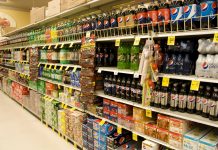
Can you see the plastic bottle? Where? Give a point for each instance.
(215, 64)
(109, 85)
(139, 93)
(94, 22)
(118, 87)
(183, 98)
(133, 90)
(208, 10)
(106, 85)
(100, 24)
(174, 98)
(177, 15)
(157, 94)
(187, 65)
(121, 18)
(130, 17)
(208, 66)
(199, 68)
(128, 89)
(142, 16)
(106, 56)
(191, 103)
(213, 105)
(123, 88)
(164, 17)
(113, 19)
(134, 58)
(180, 64)
(165, 95)
(107, 23)
(199, 100)
(113, 86)
(165, 63)
(205, 102)
(171, 64)
(152, 17)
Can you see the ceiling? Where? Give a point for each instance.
(23, 4)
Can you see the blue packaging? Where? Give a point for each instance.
(102, 146)
(95, 135)
(96, 125)
(177, 13)
(102, 138)
(90, 122)
(107, 129)
(192, 11)
(208, 7)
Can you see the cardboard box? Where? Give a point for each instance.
(209, 141)
(176, 140)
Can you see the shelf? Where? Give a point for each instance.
(186, 116)
(189, 78)
(20, 61)
(139, 134)
(116, 71)
(16, 71)
(61, 84)
(129, 37)
(58, 64)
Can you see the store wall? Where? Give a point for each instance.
(21, 17)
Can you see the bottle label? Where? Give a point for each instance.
(191, 11)
(176, 14)
(70, 56)
(191, 102)
(100, 24)
(153, 17)
(164, 16)
(199, 103)
(63, 56)
(43, 55)
(55, 55)
(121, 21)
(113, 22)
(117, 89)
(182, 101)
(174, 100)
(106, 23)
(106, 55)
(208, 8)
(205, 105)
(142, 17)
(213, 108)
(129, 20)
(101, 55)
(164, 99)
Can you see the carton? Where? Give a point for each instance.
(163, 121)
(180, 126)
(209, 141)
(192, 138)
(148, 145)
(176, 140)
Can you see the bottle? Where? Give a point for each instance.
(134, 65)
(183, 98)
(138, 92)
(215, 64)
(205, 102)
(179, 64)
(192, 11)
(97, 58)
(208, 66)
(118, 87)
(165, 66)
(109, 85)
(106, 57)
(171, 64)
(130, 20)
(157, 99)
(177, 15)
(164, 97)
(123, 88)
(199, 72)
(208, 11)
(142, 16)
(154, 95)
(113, 86)
(106, 20)
(121, 57)
(191, 103)
(128, 89)
(187, 65)
(152, 17)
(94, 22)
(164, 17)
(111, 57)
(113, 19)
(174, 98)
(213, 105)
(121, 18)
(199, 100)
(133, 90)
(106, 85)
(100, 24)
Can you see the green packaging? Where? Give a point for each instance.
(134, 65)
(41, 86)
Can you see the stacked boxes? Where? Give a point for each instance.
(41, 86)
(67, 4)
(54, 8)
(209, 141)
(34, 61)
(62, 122)
(19, 92)
(37, 14)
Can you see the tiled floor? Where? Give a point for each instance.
(19, 130)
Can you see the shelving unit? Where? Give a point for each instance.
(58, 64)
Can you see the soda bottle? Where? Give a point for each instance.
(128, 89)
(180, 64)
(121, 57)
(205, 102)
(130, 20)
(215, 64)
(112, 60)
(192, 11)
(94, 22)
(187, 65)
(123, 88)
(113, 19)
(174, 97)
(139, 93)
(183, 98)
(199, 100)
(100, 24)
(208, 66)
(164, 98)
(152, 17)
(97, 56)
(157, 94)
(154, 94)
(164, 17)
(133, 90)
(134, 58)
(106, 85)
(191, 103)
(118, 87)
(165, 66)
(106, 56)
(177, 15)
(213, 106)
(113, 86)
(121, 18)
(141, 16)
(208, 12)
(109, 85)
(106, 20)
(199, 69)
(171, 64)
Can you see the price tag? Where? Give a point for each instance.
(119, 130)
(44, 47)
(20, 49)
(148, 113)
(74, 69)
(165, 81)
(61, 68)
(75, 145)
(115, 73)
(134, 137)
(71, 44)
(53, 129)
(88, 34)
(137, 41)
(73, 109)
(65, 106)
(59, 87)
(117, 42)
(195, 85)
(62, 45)
(215, 39)
(56, 46)
(62, 105)
(136, 75)
(70, 90)
(50, 67)
(46, 66)
(102, 122)
(171, 40)
(67, 68)
(99, 70)
(49, 47)
(55, 67)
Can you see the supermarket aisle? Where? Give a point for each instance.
(22, 131)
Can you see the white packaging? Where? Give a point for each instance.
(208, 66)
(209, 141)
(199, 65)
(215, 70)
(148, 145)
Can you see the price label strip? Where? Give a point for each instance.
(171, 40)
(71, 44)
(134, 137)
(117, 42)
(102, 122)
(148, 113)
(215, 39)
(137, 41)
(165, 82)
(119, 130)
(195, 85)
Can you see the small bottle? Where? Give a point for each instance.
(157, 99)
(183, 97)
(133, 90)
(199, 100)
(139, 93)
(191, 103)
(118, 87)
(213, 104)
(174, 98)
(123, 88)
(128, 89)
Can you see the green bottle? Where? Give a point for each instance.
(134, 58)
(121, 58)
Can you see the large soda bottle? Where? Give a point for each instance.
(213, 105)
(130, 17)
(208, 66)
(134, 58)
(139, 93)
(187, 65)
(164, 17)
(106, 56)
(94, 22)
(106, 85)
(128, 89)
(174, 98)
(199, 71)
(107, 23)
(165, 96)
(100, 24)
(183, 98)
(191, 103)
(133, 90)
(154, 94)
(208, 12)
(205, 102)
(118, 87)
(121, 57)
(157, 94)
(165, 66)
(123, 88)
(121, 18)
(110, 85)
(113, 19)
(215, 70)
(192, 11)
(152, 17)
(199, 100)
(171, 64)
(142, 16)
(177, 15)
(180, 64)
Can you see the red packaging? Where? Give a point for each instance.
(151, 129)
(163, 135)
(164, 13)
(153, 15)
(163, 121)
